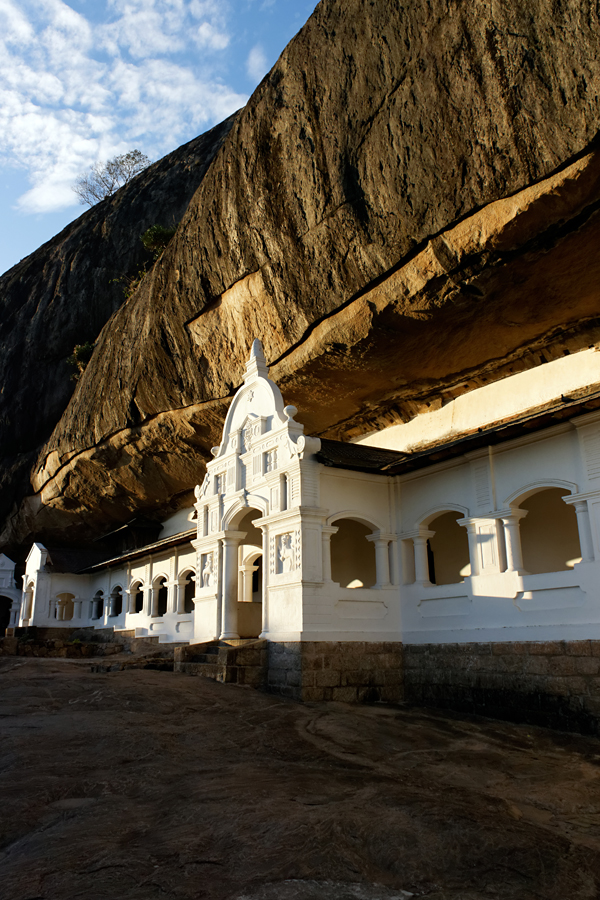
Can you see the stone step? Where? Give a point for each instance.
(241, 661)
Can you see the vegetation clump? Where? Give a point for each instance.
(80, 357)
(155, 240)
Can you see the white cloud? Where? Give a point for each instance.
(75, 93)
(256, 64)
(209, 36)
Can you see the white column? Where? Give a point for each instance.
(393, 558)
(265, 578)
(172, 591)
(382, 558)
(148, 592)
(231, 543)
(421, 560)
(326, 533)
(14, 614)
(77, 606)
(585, 529)
(247, 571)
(514, 555)
(180, 595)
(471, 527)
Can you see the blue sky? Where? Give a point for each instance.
(84, 80)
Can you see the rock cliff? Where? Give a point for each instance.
(407, 206)
(65, 292)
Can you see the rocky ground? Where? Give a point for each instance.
(145, 784)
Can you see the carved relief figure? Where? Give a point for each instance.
(286, 553)
(207, 571)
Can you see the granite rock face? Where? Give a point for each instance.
(65, 292)
(398, 213)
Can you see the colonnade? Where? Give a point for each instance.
(505, 525)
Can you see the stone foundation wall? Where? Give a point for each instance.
(64, 647)
(336, 670)
(552, 683)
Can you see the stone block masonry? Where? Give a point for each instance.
(356, 671)
(551, 683)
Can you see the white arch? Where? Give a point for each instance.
(523, 493)
(436, 511)
(251, 501)
(358, 516)
(156, 578)
(252, 555)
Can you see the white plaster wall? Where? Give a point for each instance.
(524, 464)
(177, 523)
(342, 491)
(430, 492)
(172, 626)
(496, 605)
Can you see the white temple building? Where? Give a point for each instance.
(409, 535)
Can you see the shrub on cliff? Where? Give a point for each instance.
(103, 180)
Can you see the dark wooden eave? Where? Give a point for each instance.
(377, 461)
(157, 547)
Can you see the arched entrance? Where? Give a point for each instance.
(353, 562)
(5, 607)
(448, 549)
(549, 532)
(243, 588)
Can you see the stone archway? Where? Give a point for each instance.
(5, 608)
(242, 547)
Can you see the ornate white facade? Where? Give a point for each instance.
(289, 542)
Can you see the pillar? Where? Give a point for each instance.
(231, 543)
(585, 530)
(421, 561)
(179, 595)
(514, 555)
(471, 527)
(382, 558)
(393, 558)
(326, 533)
(173, 591)
(154, 599)
(265, 578)
(77, 607)
(246, 572)
(147, 607)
